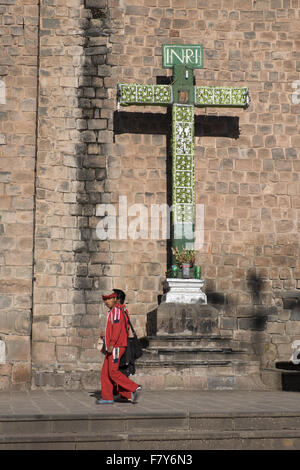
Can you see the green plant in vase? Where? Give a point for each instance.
(184, 256)
(185, 259)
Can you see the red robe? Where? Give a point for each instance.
(116, 329)
(116, 336)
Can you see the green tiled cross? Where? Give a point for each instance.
(182, 95)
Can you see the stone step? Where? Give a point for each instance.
(173, 362)
(201, 361)
(189, 354)
(172, 441)
(199, 375)
(195, 340)
(179, 430)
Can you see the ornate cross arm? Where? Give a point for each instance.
(205, 96)
(236, 97)
(129, 94)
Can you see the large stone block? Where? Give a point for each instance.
(18, 348)
(5, 302)
(40, 331)
(137, 10)
(21, 373)
(186, 319)
(91, 356)
(95, 3)
(67, 353)
(15, 322)
(43, 352)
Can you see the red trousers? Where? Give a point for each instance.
(112, 377)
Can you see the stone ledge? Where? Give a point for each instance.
(172, 440)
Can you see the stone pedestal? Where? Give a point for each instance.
(185, 291)
(187, 347)
(186, 319)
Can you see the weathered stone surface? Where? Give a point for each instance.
(18, 348)
(85, 155)
(43, 353)
(21, 373)
(184, 319)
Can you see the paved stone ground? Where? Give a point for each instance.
(53, 403)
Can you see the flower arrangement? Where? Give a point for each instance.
(184, 256)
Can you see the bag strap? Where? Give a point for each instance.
(132, 329)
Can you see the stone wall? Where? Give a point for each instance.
(66, 308)
(249, 185)
(18, 92)
(55, 179)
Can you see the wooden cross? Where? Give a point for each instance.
(182, 95)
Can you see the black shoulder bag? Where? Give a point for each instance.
(132, 352)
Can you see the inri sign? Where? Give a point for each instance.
(190, 55)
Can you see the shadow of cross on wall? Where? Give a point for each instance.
(125, 122)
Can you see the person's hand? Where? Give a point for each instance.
(110, 349)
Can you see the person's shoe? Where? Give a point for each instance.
(135, 395)
(120, 399)
(104, 402)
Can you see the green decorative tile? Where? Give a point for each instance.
(127, 93)
(222, 96)
(184, 195)
(163, 94)
(184, 138)
(183, 163)
(183, 178)
(184, 113)
(144, 94)
(184, 213)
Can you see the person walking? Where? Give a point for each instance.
(121, 395)
(115, 337)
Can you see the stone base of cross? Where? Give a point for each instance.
(183, 96)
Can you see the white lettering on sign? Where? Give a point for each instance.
(174, 54)
(182, 55)
(188, 54)
(185, 56)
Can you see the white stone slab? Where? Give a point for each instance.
(2, 352)
(185, 291)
